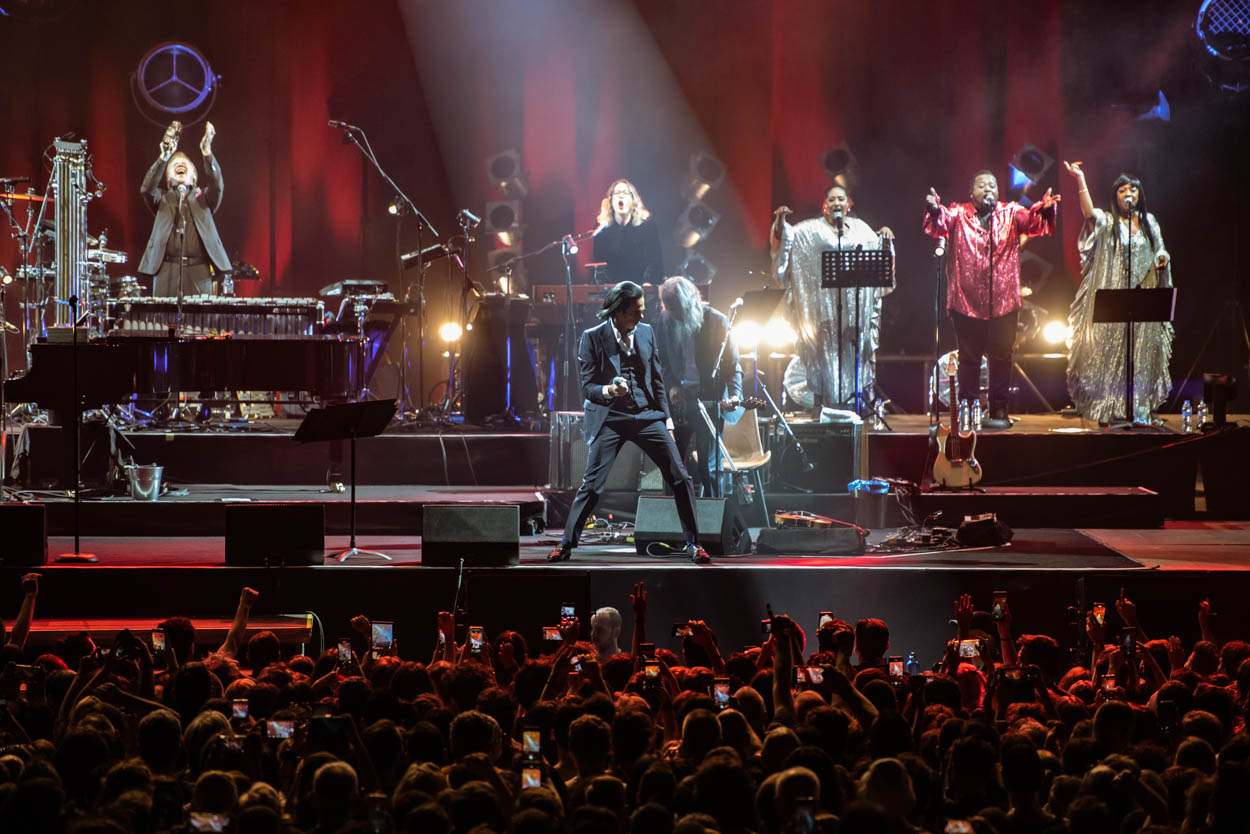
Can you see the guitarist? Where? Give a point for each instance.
(689, 338)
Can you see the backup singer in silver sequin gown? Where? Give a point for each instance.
(813, 310)
(1096, 352)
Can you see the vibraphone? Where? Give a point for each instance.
(211, 315)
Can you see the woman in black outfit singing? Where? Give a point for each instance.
(627, 240)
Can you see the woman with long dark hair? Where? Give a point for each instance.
(1120, 248)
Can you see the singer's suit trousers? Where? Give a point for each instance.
(655, 441)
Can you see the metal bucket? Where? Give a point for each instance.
(145, 482)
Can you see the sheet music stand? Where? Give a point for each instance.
(347, 422)
(850, 269)
(1133, 306)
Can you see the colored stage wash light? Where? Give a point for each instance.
(1027, 168)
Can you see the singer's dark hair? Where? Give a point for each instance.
(614, 299)
(982, 172)
(1139, 209)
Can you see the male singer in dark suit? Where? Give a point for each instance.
(184, 244)
(625, 400)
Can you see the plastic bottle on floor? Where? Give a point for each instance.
(1187, 417)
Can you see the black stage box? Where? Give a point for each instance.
(833, 541)
(722, 531)
(275, 535)
(485, 535)
(24, 536)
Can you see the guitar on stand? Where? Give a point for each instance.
(956, 466)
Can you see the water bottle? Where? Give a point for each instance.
(976, 414)
(912, 666)
(1203, 415)
(965, 418)
(878, 414)
(1187, 417)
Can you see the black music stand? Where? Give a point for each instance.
(348, 421)
(850, 269)
(1130, 307)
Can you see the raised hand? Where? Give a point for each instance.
(1074, 168)
(361, 625)
(1049, 199)
(638, 599)
(782, 211)
(446, 624)
(1097, 631)
(963, 615)
(932, 200)
(248, 597)
(1126, 609)
(169, 142)
(30, 584)
(206, 144)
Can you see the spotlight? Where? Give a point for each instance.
(695, 224)
(697, 268)
(779, 334)
(396, 207)
(706, 172)
(502, 221)
(841, 166)
(747, 334)
(506, 173)
(450, 332)
(6, 277)
(1027, 168)
(1056, 332)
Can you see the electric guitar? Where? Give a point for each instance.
(956, 466)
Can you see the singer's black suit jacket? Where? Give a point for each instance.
(599, 362)
(164, 202)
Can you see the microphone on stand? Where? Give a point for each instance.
(941, 247)
(737, 303)
(343, 125)
(837, 219)
(570, 245)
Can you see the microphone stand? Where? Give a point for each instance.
(939, 260)
(77, 557)
(362, 144)
(841, 399)
(719, 386)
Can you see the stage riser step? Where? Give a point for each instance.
(208, 518)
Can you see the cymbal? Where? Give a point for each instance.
(34, 198)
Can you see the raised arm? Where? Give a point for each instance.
(21, 625)
(234, 637)
(938, 218)
(214, 186)
(638, 600)
(1082, 189)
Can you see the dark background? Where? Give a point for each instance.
(923, 94)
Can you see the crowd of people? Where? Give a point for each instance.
(826, 732)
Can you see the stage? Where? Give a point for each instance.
(1156, 512)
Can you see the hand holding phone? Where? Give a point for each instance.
(720, 692)
(475, 640)
(998, 612)
(382, 638)
(683, 630)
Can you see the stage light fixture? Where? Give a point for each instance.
(1026, 169)
(1056, 332)
(396, 207)
(697, 268)
(747, 334)
(706, 172)
(840, 165)
(6, 277)
(779, 334)
(506, 173)
(450, 332)
(695, 224)
(503, 221)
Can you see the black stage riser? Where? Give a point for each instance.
(461, 458)
(916, 603)
(208, 518)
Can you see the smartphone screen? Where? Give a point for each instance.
(1000, 602)
(1108, 684)
(815, 674)
(895, 665)
(551, 633)
(800, 676)
(158, 641)
(279, 727)
(531, 777)
(568, 613)
(577, 664)
(720, 692)
(231, 742)
(766, 626)
(826, 617)
(475, 639)
(1128, 642)
(203, 821)
(651, 669)
(1100, 613)
(238, 708)
(969, 648)
(531, 743)
(682, 630)
(383, 636)
(647, 650)
(345, 652)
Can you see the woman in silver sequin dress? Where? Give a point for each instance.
(1126, 234)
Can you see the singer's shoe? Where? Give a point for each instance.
(997, 420)
(697, 554)
(560, 553)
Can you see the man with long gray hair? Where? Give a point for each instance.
(690, 337)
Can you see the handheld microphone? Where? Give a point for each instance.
(343, 125)
(618, 380)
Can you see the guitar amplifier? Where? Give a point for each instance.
(837, 450)
(567, 463)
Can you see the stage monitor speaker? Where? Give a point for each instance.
(722, 531)
(837, 452)
(568, 450)
(275, 535)
(24, 540)
(833, 541)
(485, 535)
